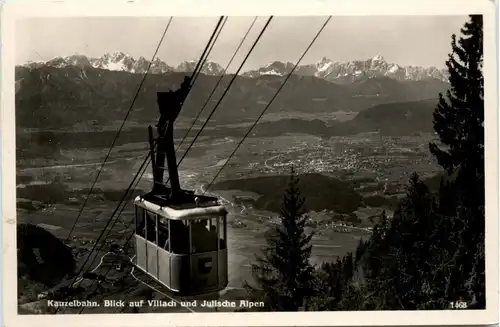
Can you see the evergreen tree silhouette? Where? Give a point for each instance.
(410, 241)
(432, 252)
(459, 122)
(283, 274)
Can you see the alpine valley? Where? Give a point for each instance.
(355, 130)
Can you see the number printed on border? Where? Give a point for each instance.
(458, 305)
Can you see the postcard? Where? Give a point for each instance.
(223, 163)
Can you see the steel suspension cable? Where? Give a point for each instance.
(217, 84)
(126, 227)
(119, 130)
(103, 231)
(262, 113)
(206, 52)
(227, 89)
(214, 37)
(270, 102)
(236, 74)
(210, 49)
(227, 66)
(138, 172)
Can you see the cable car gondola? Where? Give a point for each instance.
(180, 237)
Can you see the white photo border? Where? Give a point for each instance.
(15, 10)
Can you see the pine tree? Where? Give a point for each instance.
(459, 122)
(410, 235)
(376, 249)
(431, 251)
(397, 262)
(330, 281)
(360, 251)
(283, 275)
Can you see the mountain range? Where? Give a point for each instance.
(48, 97)
(64, 93)
(333, 71)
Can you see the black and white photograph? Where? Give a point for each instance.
(177, 164)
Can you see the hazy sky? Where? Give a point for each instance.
(405, 40)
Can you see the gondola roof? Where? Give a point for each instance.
(192, 207)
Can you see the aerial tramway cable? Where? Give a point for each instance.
(196, 76)
(269, 104)
(142, 166)
(236, 74)
(144, 162)
(262, 113)
(119, 130)
(210, 49)
(123, 247)
(255, 43)
(217, 84)
(207, 50)
(265, 109)
(227, 88)
(144, 170)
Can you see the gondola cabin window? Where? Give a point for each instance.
(204, 235)
(163, 234)
(179, 236)
(208, 235)
(151, 229)
(221, 222)
(185, 251)
(140, 221)
(179, 233)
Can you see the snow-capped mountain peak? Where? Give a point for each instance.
(121, 61)
(277, 68)
(325, 68)
(212, 68)
(209, 67)
(324, 64)
(354, 70)
(116, 56)
(118, 60)
(378, 57)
